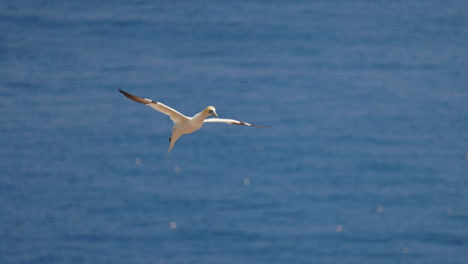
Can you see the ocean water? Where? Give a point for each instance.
(366, 159)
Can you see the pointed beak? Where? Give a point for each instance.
(214, 114)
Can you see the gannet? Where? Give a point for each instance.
(184, 124)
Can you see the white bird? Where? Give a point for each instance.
(184, 124)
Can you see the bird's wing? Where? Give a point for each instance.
(229, 121)
(175, 116)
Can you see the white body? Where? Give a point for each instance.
(183, 124)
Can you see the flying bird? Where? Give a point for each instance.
(184, 124)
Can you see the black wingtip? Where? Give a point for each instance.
(122, 91)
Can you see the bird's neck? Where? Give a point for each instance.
(201, 116)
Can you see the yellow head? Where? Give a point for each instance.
(210, 111)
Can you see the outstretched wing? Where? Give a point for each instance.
(229, 121)
(175, 116)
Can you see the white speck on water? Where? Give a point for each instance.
(173, 225)
(138, 161)
(380, 209)
(339, 228)
(246, 181)
(177, 169)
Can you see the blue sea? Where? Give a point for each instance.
(365, 159)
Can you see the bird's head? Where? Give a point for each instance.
(211, 111)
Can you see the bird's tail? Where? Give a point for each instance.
(172, 141)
